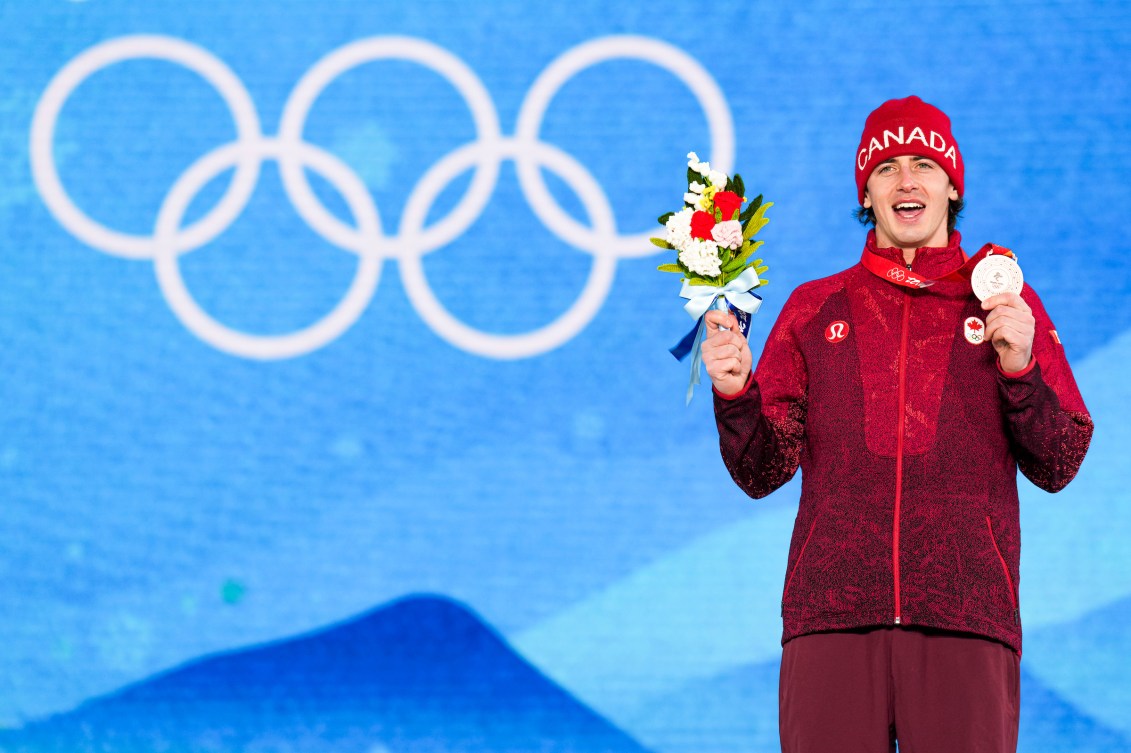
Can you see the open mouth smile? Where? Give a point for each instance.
(909, 210)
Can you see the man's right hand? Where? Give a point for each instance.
(726, 353)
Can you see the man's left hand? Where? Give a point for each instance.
(1010, 326)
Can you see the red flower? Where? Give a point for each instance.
(728, 203)
(701, 224)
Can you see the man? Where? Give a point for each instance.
(909, 410)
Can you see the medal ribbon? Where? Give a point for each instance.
(898, 274)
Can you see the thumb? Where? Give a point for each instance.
(716, 319)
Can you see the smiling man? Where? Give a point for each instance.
(909, 405)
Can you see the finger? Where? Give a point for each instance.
(1008, 331)
(723, 367)
(1010, 316)
(1010, 300)
(722, 345)
(721, 319)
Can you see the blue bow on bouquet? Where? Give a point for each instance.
(735, 294)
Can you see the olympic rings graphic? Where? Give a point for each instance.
(367, 238)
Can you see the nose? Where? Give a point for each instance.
(907, 177)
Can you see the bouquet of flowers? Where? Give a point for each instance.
(713, 236)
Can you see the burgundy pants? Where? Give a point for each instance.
(933, 691)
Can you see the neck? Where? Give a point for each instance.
(909, 255)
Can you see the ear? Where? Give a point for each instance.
(953, 195)
(868, 200)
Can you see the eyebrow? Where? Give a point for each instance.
(912, 156)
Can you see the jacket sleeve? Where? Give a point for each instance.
(1049, 426)
(761, 430)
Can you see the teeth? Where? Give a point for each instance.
(908, 205)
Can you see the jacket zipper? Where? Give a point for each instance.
(902, 397)
(1005, 569)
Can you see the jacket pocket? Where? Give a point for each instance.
(1004, 568)
(797, 563)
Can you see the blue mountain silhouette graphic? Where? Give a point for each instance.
(419, 675)
(1050, 724)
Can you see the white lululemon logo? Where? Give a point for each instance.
(836, 331)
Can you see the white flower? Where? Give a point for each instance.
(728, 234)
(703, 168)
(718, 179)
(702, 258)
(692, 198)
(696, 187)
(678, 228)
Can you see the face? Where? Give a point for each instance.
(910, 196)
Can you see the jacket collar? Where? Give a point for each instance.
(930, 261)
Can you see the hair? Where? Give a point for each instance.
(868, 217)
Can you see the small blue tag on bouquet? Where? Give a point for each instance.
(681, 349)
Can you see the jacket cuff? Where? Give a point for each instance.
(740, 393)
(1017, 374)
(1019, 387)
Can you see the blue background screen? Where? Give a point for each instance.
(337, 412)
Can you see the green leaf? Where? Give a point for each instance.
(744, 253)
(661, 243)
(749, 247)
(718, 215)
(738, 186)
(734, 265)
(749, 211)
(757, 221)
(670, 268)
(693, 177)
(700, 281)
(665, 217)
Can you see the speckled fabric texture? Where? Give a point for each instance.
(909, 438)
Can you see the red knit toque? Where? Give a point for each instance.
(900, 127)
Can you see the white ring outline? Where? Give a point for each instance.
(720, 122)
(295, 343)
(46, 175)
(413, 240)
(430, 56)
(568, 324)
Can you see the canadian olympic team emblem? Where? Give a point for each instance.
(975, 330)
(897, 274)
(836, 331)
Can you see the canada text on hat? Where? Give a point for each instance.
(930, 140)
(908, 126)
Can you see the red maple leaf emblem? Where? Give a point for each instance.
(974, 325)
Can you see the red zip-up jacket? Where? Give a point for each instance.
(909, 437)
